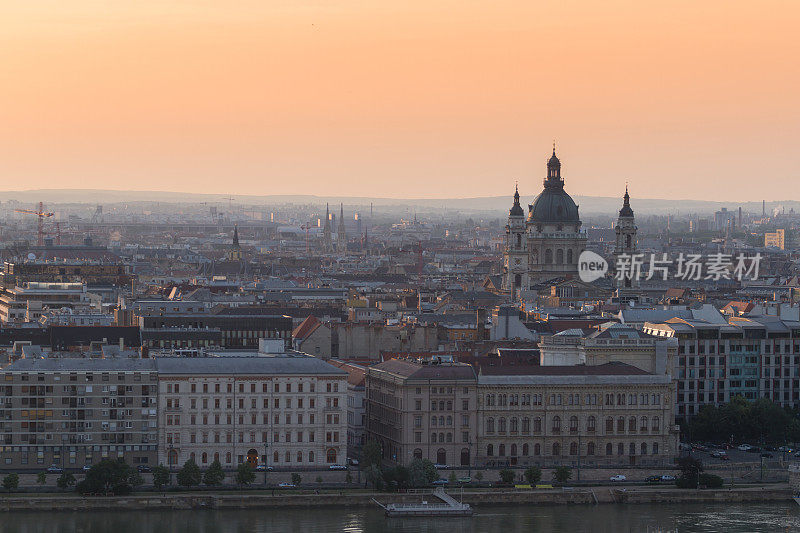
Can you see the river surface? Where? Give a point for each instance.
(728, 518)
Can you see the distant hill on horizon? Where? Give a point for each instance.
(589, 205)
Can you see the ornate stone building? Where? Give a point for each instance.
(547, 244)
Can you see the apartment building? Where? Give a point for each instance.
(755, 357)
(417, 410)
(74, 411)
(284, 410)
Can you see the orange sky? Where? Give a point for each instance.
(682, 99)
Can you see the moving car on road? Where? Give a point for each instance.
(618, 477)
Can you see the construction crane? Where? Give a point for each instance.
(42, 215)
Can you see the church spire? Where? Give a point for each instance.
(236, 236)
(626, 210)
(516, 209)
(554, 171)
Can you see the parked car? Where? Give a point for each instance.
(353, 462)
(440, 481)
(618, 477)
(667, 477)
(86, 468)
(439, 466)
(785, 449)
(719, 455)
(653, 479)
(144, 468)
(744, 447)
(264, 468)
(54, 469)
(286, 485)
(465, 479)
(337, 467)
(767, 455)
(753, 449)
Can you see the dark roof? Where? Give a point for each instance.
(608, 369)
(413, 370)
(280, 364)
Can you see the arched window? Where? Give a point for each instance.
(441, 420)
(288, 456)
(417, 454)
(449, 420)
(433, 421)
(632, 424)
(490, 425)
(644, 448)
(330, 456)
(311, 457)
(489, 450)
(441, 437)
(514, 425)
(621, 449)
(449, 437)
(609, 425)
(569, 257)
(609, 449)
(537, 425)
(204, 457)
(441, 456)
(548, 256)
(655, 423)
(465, 457)
(620, 425)
(556, 424)
(191, 456)
(590, 424)
(519, 240)
(559, 256)
(655, 448)
(537, 449)
(573, 424)
(573, 448)
(299, 457)
(632, 449)
(216, 456)
(526, 426)
(228, 458)
(433, 438)
(501, 426)
(275, 457)
(643, 424)
(556, 449)
(525, 449)
(590, 448)
(501, 450)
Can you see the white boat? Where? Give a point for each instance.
(448, 507)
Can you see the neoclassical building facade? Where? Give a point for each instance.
(545, 244)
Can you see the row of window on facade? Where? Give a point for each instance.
(174, 403)
(175, 388)
(512, 425)
(299, 436)
(512, 400)
(330, 457)
(556, 449)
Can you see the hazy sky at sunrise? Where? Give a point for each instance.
(683, 99)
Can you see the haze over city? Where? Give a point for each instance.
(414, 99)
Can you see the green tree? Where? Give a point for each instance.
(452, 478)
(396, 478)
(690, 472)
(189, 475)
(41, 478)
(245, 474)
(319, 479)
(421, 473)
(107, 476)
(533, 475)
(371, 454)
(479, 476)
(506, 476)
(160, 477)
(374, 475)
(296, 479)
(135, 479)
(65, 480)
(11, 482)
(562, 474)
(214, 476)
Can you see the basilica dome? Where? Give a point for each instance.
(553, 205)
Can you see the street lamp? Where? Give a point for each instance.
(266, 455)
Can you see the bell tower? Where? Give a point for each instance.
(626, 244)
(515, 254)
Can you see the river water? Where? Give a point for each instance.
(728, 518)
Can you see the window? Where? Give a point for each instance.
(590, 448)
(573, 448)
(489, 450)
(573, 424)
(556, 449)
(590, 424)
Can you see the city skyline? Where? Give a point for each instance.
(433, 100)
